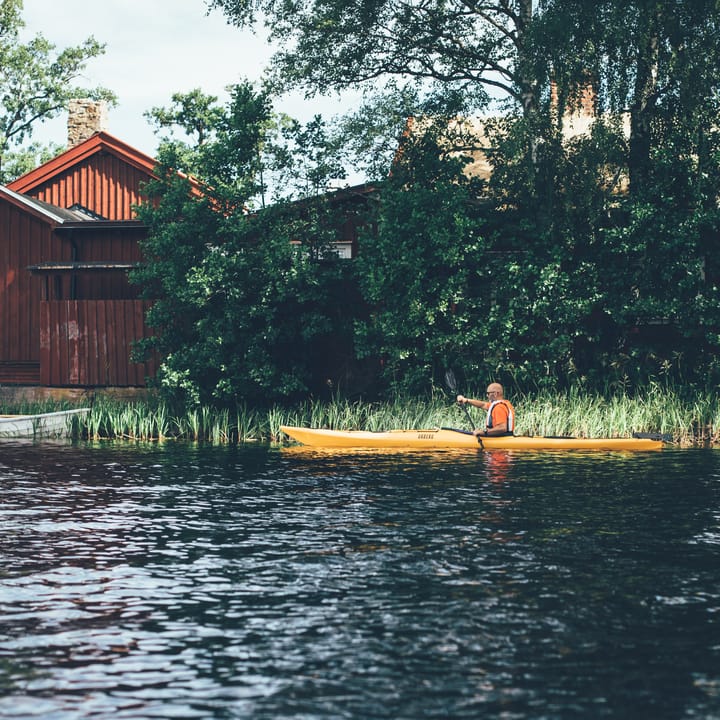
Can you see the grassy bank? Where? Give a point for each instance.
(692, 419)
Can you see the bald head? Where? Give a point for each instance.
(495, 391)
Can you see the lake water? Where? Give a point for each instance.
(253, 582)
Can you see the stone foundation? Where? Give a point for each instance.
(15, 394)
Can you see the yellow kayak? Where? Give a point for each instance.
(449, 438)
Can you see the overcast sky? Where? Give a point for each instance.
(155, 48)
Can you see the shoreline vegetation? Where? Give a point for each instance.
(692, 419)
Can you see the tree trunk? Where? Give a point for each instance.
(526, 78)
(643, 107)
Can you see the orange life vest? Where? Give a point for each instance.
(501, 411)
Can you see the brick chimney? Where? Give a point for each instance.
(585, 103)
(85, 118)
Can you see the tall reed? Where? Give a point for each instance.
(690, 417)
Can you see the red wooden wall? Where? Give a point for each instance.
(63, 324)
(98, 243)
(32, 350)
(26, 241)
(88, 343)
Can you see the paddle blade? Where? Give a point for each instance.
(450, 381)
(665, 437)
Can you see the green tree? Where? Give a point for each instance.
(36, 82)
(654, 65)
(194, 113)
(413, 271)
(247, 303)
(594, 240)
(654, 61)
(310, 155)
(335, 44)
(220, 143)
(18, 162)
(281, 158)
(616, 226)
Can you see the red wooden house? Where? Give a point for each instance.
(68, 235)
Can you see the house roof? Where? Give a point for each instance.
(44, 211)
(75, 218)
(99, 142)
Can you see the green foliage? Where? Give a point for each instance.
(222, 145)
(17, 163)
(308, 157)
(241, 311)
(195, 113)
(336, 44)
(603, 285)
(583, 261)
(413, 271)
(655, 61)
(36, 82)
(665, 290)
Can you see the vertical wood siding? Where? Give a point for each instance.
(88, 343)
(26, 241)
(104, 184)
(103, 245)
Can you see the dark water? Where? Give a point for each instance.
(177, 582)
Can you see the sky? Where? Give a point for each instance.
(155, 48)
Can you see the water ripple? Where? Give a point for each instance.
(187, 582)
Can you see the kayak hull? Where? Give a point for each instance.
(448, 438)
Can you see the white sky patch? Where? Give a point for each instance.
(155, 48)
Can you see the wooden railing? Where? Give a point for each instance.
(88, 343)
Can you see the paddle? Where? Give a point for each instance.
(452, 386)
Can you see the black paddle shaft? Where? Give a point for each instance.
(452, 386)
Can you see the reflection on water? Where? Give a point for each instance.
(141, 582)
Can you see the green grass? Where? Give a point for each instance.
(691, 418)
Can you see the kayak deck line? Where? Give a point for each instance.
(449, 438)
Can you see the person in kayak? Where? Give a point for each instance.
(500, 419)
